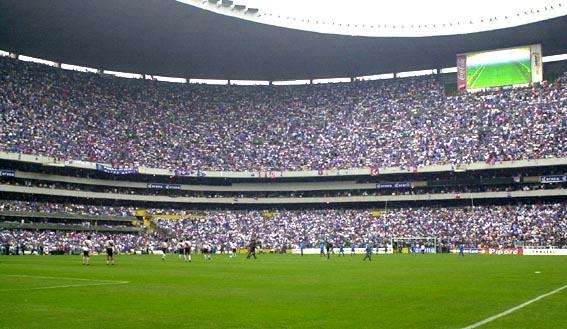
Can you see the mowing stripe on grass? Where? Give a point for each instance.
(95, 282)
(514, 309)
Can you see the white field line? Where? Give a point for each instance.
(94, 282)
(514, 309)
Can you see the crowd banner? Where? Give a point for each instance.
(7, 173)
(461, 72)
(394, 185)
(545, 252)
(553, 179)
(115, 171)
(161, 186)
(189, 173)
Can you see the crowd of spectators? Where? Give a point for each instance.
(536, 225)
(400, 122)
(65, 242)
(69, 208)
(490, 226)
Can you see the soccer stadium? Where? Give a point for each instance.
(283, 164)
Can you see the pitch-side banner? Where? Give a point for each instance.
(503, 251)
(468, 251)
(545, 252)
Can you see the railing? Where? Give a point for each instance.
(255, 174)
(60, 227)
(61, 215)
(284, 200)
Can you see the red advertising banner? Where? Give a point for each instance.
(461, 73)
(503, 251)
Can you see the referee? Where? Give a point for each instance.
(251, 249)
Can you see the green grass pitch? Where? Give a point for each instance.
(502, 74)
(282, 291)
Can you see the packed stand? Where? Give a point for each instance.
(400, 122)
(64, 242)
(74, 209)
(535, 225)
(489, 226)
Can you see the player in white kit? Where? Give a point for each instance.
(187, 250)
(233, 249)
(109, 244)
(206, 250)
(87, 246)
(164, 249)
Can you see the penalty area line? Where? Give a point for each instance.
(513, 309)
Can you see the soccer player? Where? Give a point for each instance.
(206, 250)
(181, 249)
(233, 248)
(252, 249)
(164, 249)
(329, 247)
(187, 251)
(109, 244)
(462, 250)
(341, 249)
(352, 252)
(322, 250)
(368, 250)
(87, 246)
(301, 247)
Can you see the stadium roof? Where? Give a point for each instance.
(400, 18)
(170, 38)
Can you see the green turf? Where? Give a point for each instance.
(502, 74)
(282, 291)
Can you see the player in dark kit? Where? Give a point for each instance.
(252, 249)
(329, 247)
(368, 250)
(341, 249)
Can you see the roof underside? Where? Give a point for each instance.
(167, 38)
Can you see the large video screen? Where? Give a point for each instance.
(502, 67)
